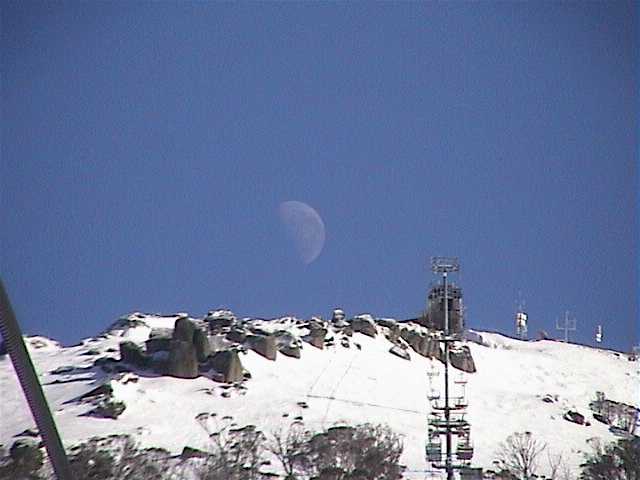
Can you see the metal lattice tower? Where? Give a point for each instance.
(448, 415)
(567, 324)
(521, 318)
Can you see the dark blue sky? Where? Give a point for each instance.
(147, 146)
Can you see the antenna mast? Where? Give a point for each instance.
(568, 324)
(447, 418)
(521, 318)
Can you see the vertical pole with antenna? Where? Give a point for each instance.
(568, 324)
(446, 377)
(445, 265)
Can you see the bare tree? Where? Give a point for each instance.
(519, 454)
(558, 467)
(289, 447)
(236, 453)
(370, 452)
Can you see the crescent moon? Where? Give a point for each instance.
(304, 227)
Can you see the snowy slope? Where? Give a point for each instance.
(330, 386)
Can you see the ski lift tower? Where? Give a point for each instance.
(448, 418)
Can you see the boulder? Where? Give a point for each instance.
(285, 339)
(364, 324)
(29, 432)
(227, 364)
(133, 355)
(26, 455)
(400, 352)
(316, 337)
(184, 330)
(219, 342)
(543, 335)
(290, 351)
(393, 332)
(158, 344)
(575, 417)
(220, 319)
(418, 342)
(236, 336)
(190, 452)
(160, 361)
(462, 360)
(108, 408)
(432, 348)
(183, 362)
(201, 343)
(338, 316)
(265, 345)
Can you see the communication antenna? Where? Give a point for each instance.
(447, 415)
(599, 334)
(568, 324)
(521, 318)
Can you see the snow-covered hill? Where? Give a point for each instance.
(353, 379)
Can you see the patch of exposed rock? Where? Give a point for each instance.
(364, 324)
(400, 352)
(462, 360)
(227, 364)
(264, 345)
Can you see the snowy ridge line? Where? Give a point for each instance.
(534, 340)
(518, 386)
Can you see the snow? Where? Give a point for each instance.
(332, 386)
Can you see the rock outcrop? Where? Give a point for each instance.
(133, 355)
(264, 345)
(227, 364)
(364, 324)
(220, 320)
(201, 343)
(183, 358)
(396, 350)
(159, 340)
(462, 360)
(316, 336)
(26, 455)
(183, 362)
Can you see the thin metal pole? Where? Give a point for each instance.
(31, 387)
(446, 378)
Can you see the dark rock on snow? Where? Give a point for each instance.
(400, 352)
(227, 363)
(201, 343)
(364, 325)
(575, 417)
(462, 360)
(108, 408)
(184, 330)
(290, 351)
(316, 336)
(265, 345)
(182, 362)
(133, 355)
(26, 454)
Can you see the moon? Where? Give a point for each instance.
(304, 227)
